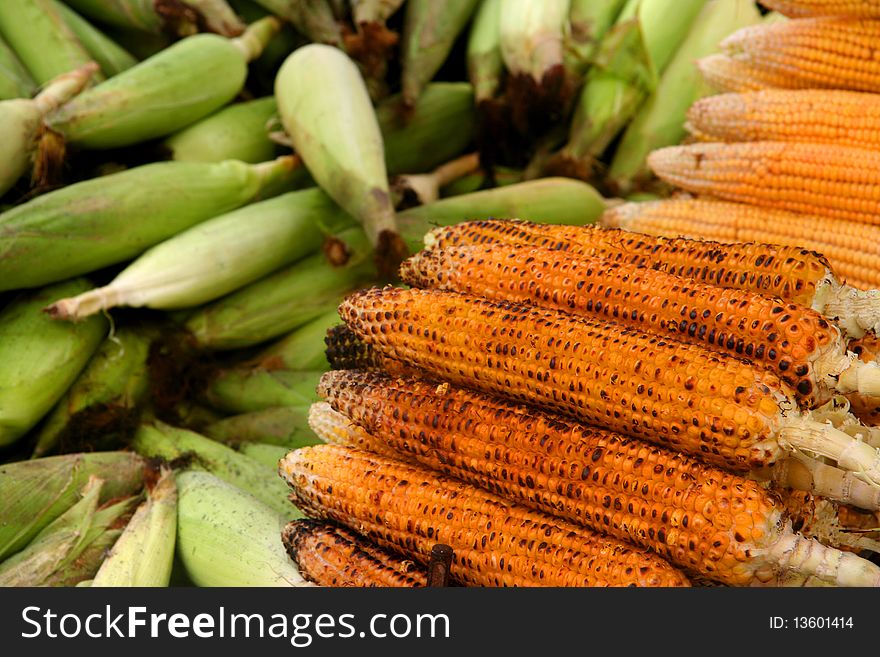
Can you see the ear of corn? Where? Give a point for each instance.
(485, 64)
(726, 74)
(430, 29)
(111, 57)
(140, 15)
(263, 453)
(249, 390)
(38, 491)
(227, 537)
(329, 555)
(285, 300)
(285, 426)
(21, 122)
(217, 256)
(15, 81)
(102, 406)
(828, 53)
(588, 21)
(700, 518)
(302, 349)
(174, 88)
(839, 182)
(334, 428)
(171, 443)
(40, 358)
(144, 552)
(802, 8)
(495, 542)
(44, 43)
(61, 544)
(658, 121)
(311, 18)
(88, 225)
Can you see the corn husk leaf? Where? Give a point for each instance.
(243, 390)
(283, 426)
(110, 56)
(15, 81)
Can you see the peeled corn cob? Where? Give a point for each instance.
(724, 73)
(829, 53)
(698, 517)
(823, 116)
(496, 542)
(726, 411)
(802, 8)
(334, 428)
(329, 555)
(798, 344)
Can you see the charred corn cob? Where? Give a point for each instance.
(345, 351)
(840, 182)
(726, 411)
(724, 73)
(801, 8)
(496, 542)
(826, 53)
(720, 525)
(847, 118)
(335, 428)
(329, 555)
(797, 343)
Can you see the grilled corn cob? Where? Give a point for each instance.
(698, 517)
(800, 345)
(726, 411)
(329, 555)
(496, 542)
(727, 74)
(345, 351)
(840, 182)
(802, 8)
(335, 428)
(828, 53)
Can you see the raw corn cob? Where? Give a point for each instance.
(496, 542)
(334, 428)
(227, 537)
(798, 344)
(727, 74)
(15, 81)
(839, 182)
(852, 249)
(91, 224)
(726, 411)
(827, 116)
(827, 53)
(111, 57)
(700, 518)
(329, 555)
(802, 8)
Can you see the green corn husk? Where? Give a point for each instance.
(243, 390)
(633, 55)
(372, 44)
(144, 553)
(268, 455)
(226, 537)
(660, 120)
(21, 122)
(373, 11)
(311, 18)
(176, 87)
(285, 300)
(83, 227)
(201, 453)
(588, 21)
(237, 132)
(101, 408)
(337, 135)
(15, 81)
(474, 182)
(178, 18)
(217, 256)
(111, 57)
(302, 349)
(440, 126)
(419, 189)
(142, 45)
(39, 357)
(485, 65)
(36, 492)
(52, 556)
(218, 17)
(38, 35)
(283, 426)
(429, 32)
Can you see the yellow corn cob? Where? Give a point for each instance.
(787, 272)
(336, 429)
(718, 524)
(821, 116)
(409, 509)
(333, 556)
(840, 182)
(727, 74)
(798, 344)
(852, 249)
(826, 53)
(802, 8)
(726, 411)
